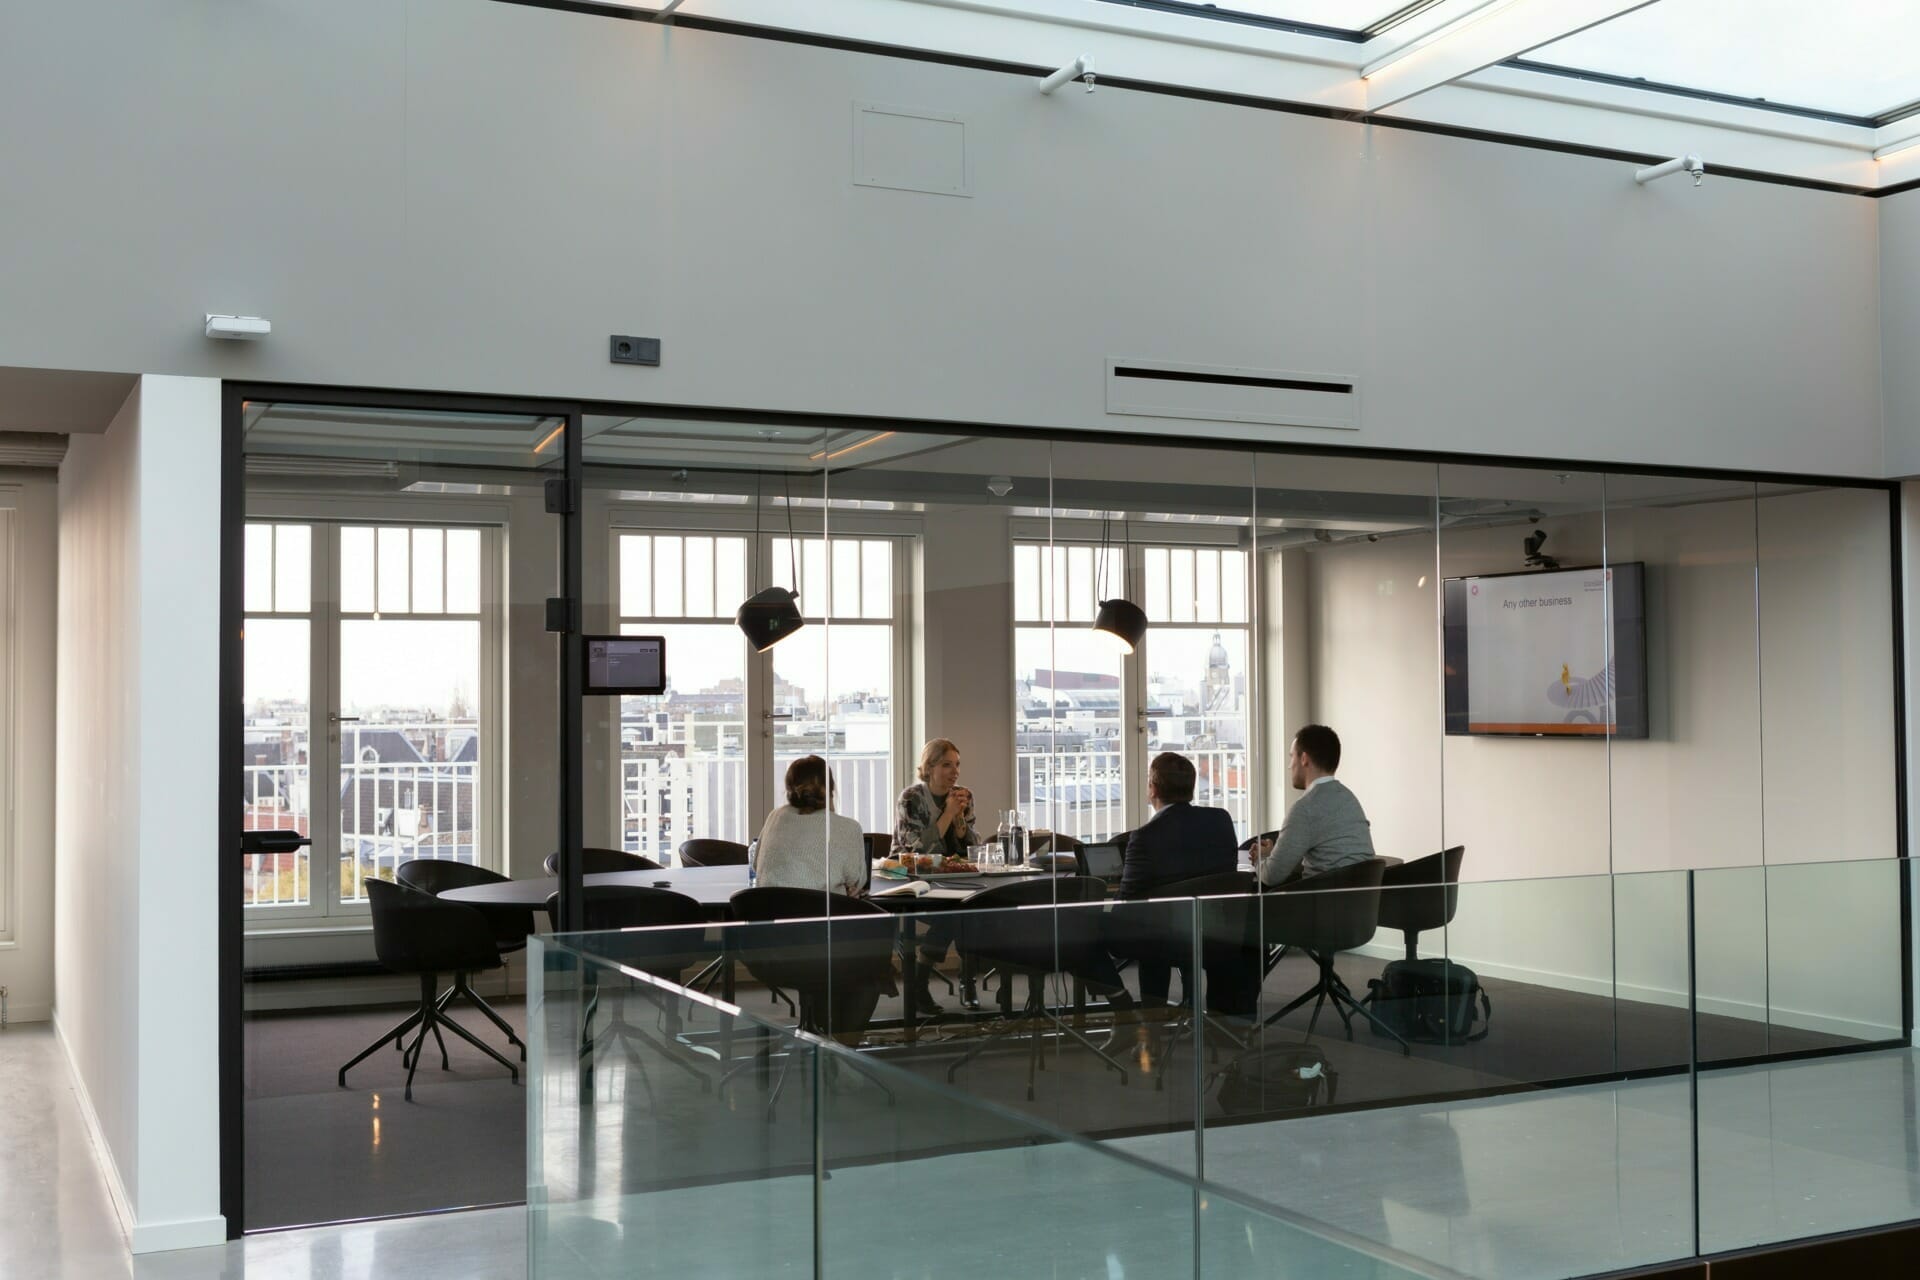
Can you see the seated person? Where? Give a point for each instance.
(1179, 842)
(1326, 828)
(933, 816)
(804, 845)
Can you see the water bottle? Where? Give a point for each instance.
(753, 861)
(1013, 838)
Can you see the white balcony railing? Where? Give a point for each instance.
(665, 800)
(1083, 793)
(388, 812)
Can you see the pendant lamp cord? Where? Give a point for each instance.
(793, 563)
(757, 475)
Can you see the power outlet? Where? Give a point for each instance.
(625, 349)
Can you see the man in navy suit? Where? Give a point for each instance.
(1180, 841)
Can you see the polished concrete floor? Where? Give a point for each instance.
(1527, 1186)
(56, 1222)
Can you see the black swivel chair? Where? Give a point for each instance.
(1422, 894)
(833, 952)
(511, 925)
(712, 853)
(988, 934)
(665, 941)
(1324, 915)
(1229, 948)
(415, 932)
(596, 862)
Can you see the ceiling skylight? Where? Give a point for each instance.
(1845, 57)
(1342, 15)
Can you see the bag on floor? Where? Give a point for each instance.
(1430, 1001)
(1278, 1077)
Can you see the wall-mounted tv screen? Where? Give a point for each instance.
(1552, 653)
(625, 664)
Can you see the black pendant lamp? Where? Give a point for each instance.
(768, 617)
(771, 615)
(1119, 617)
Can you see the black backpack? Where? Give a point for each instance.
(1430, 1001)
(1279, 1077)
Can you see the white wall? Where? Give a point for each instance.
(444, 194)
(137, 797)
(26, 961)
(1772, 741)
(1899, 218)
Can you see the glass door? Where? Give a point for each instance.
(401, 725)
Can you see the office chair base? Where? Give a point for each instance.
(427, 1018)
(463, 986)
(1036, 1019)
(1330, 987)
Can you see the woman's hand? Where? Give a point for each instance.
(958, 801)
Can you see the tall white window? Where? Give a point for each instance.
(833, 682)
(1070, 749)
(1088, 718)
(368, 674)
(1194, 669)
(683, 755)
(706, 759)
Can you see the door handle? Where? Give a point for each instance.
(340, 719)
(271, 841)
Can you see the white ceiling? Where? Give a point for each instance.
(1824, 90)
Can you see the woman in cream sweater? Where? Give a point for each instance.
(804, 844)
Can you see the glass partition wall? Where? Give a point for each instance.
(398, 727)
(1622, 749)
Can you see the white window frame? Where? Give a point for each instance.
(1134, 538)
(903, 533)
(325, 911)
(9, 729)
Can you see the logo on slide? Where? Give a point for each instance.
(1582, 697)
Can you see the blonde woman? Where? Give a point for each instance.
(933, 816)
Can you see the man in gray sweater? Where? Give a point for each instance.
(1326, 828)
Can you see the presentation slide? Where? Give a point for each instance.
(1538, 654)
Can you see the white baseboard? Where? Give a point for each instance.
(141, 1237)
(102, 1153)
(190, 1233)
(1749, 1011)
(18, 1013)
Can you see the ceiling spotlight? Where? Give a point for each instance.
(768, 617)
(1688, 163)
(1081, 68)
(999, 486)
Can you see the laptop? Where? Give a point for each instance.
(1106, 859)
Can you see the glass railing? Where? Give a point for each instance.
(673, 1134)
(1555, 1077)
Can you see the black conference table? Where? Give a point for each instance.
(714, 887)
